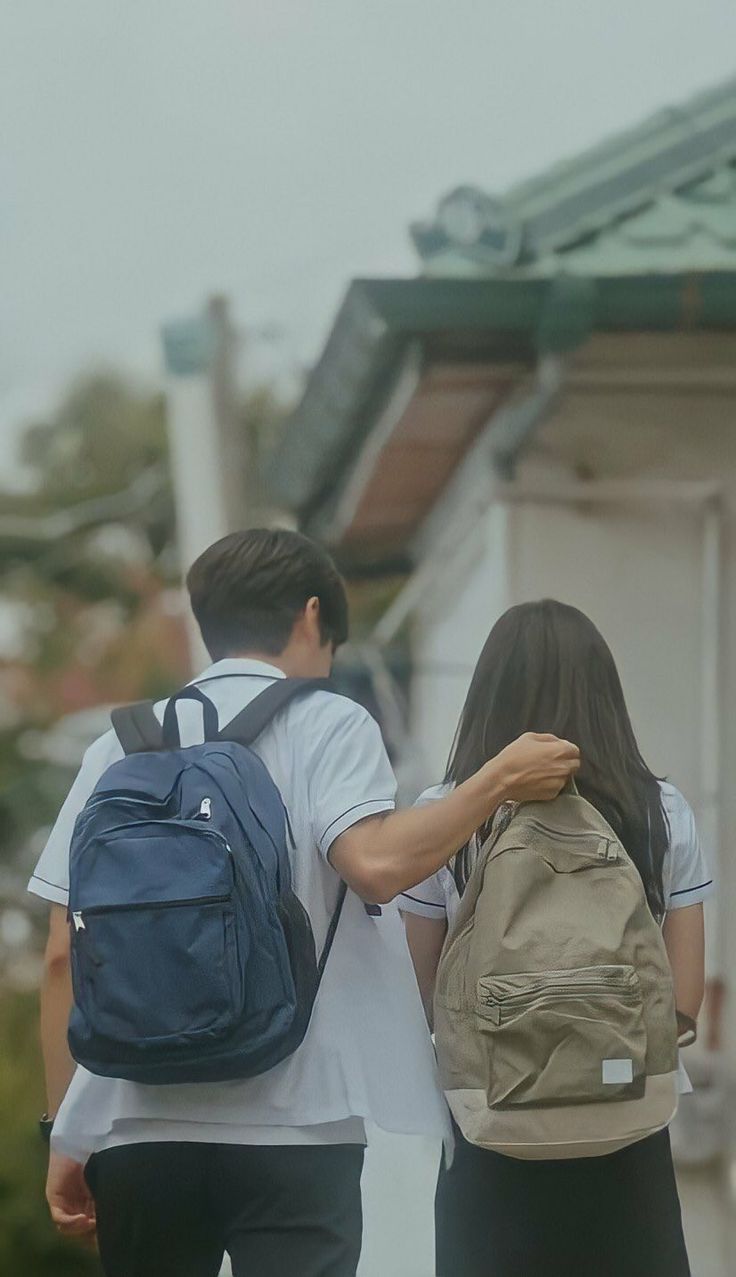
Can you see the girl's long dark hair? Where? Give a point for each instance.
(546, 668)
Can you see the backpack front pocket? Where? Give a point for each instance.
(155, 966)
(151, 974)
(574, 1036)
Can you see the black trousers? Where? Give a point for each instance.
(172, 1209)
(613, 1216)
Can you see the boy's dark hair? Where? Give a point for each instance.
(247, 590)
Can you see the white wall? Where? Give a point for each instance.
(636, 573)
(469, 593)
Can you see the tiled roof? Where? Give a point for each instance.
(669, 182)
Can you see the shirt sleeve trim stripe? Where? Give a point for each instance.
(49, 883)
(684, 890)
(48, 891)
(430, 904)
(383, 803)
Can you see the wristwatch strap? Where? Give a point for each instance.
(45, 1127)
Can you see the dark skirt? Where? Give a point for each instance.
(612, 1216)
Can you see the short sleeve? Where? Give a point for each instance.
(50, 878)
(428, 899)
(350, 776)
(688, 880)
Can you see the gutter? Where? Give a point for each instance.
(515, 429)
(495, 455)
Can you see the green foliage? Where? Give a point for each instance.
(86, 460)
(99, 439)
(29, 1245)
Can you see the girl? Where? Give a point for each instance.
(546, 668)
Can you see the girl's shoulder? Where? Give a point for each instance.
(687, 878)
(679, 813)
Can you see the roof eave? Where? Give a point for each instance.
(378, 319)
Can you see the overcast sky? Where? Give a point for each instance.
(153, 151)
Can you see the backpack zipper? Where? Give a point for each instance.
(558, 990)
(613, 986)
(496, 1011)
(79, 915)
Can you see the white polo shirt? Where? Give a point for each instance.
(367, 1053)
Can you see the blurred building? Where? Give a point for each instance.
(550, 409)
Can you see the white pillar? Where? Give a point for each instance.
(197, 462)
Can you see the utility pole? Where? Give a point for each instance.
(208, 460)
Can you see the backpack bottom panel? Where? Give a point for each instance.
(580, 1130)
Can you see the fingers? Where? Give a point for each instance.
(72, 1225)
(566, 750)
(566, 747)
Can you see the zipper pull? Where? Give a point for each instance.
(607, 849)
(492, 1011)
(79, 923)
(205, 809)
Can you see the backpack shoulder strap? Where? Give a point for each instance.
(250, 722)
(137, 727)
(332, 931)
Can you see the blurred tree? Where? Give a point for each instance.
(98, 441)
(84, 557)
(99, 462)
(87, 565)
(260, 418)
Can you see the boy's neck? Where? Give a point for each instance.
(266, 658)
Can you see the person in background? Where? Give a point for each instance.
(545, 667)
(268, 1169)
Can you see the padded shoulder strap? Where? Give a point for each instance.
(250, 722)
(137, 727)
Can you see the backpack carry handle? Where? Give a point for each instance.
(570, 788)
(171, 737)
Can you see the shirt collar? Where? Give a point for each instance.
(240, 665)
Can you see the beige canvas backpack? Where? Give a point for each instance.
(554, 1011)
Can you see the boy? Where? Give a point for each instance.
(269, 1168)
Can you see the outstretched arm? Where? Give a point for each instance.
(387, 854)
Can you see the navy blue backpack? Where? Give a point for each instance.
(192, 958)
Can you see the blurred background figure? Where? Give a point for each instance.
(532, 393)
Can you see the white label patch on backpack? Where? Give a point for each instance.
(617, 1071)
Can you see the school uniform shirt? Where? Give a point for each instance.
(367, 1053)
(686, 878)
